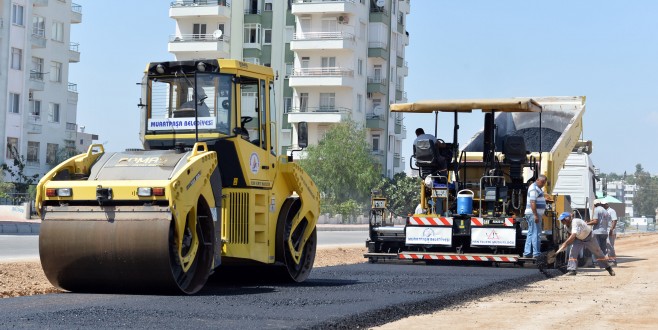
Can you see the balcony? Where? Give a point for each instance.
(375, 122)
(34, 124)
(38, 39)
(399, 60)
(36, 82)
(404, 6)
(70, 135)
(302, 7)
(378, 49)
(74, 53)
(199, 43)
(200, 8)
(322, 40)
(40, 3)
(319, 114)
(404, 69)
(377, 85)
(379, 156)
(400, 95)
(379, 15)
(324, 76)
(76, 13)
(72, 93)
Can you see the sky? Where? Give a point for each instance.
(604, 50)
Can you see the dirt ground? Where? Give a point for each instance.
(592, 299)
(26, 278)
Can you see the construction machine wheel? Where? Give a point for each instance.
(196, 252)
(286, 237)
(126, 249)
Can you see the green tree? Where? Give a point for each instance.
(343, 169)
(645, 200)
(402, 193)
(16, 171)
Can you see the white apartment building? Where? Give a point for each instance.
(349, 64)
(40, 102)
(334, 59)
(251, 30)
(623, 192)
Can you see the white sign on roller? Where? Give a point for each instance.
(493, 236)
(168, 124)
(428, 235)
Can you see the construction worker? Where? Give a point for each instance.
(612, 234)
(599, 223)
(534, 210)
(581, 236)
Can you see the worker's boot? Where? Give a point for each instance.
(571, 273)
(610, 271)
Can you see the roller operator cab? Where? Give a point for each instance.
(209, 191)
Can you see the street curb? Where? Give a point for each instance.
(19, 228)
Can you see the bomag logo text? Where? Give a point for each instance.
(140, 161)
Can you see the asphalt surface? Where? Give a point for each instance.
(361, 295)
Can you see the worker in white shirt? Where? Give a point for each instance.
(581, 237)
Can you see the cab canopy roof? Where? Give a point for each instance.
(468, 105)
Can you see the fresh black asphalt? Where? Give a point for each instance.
(351, 296)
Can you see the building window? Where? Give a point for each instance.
(37, 68)
(199, 31)
(359, 67)
(55, 71)
(32, 152)
(39, 26)
(359, 102)
(267, 36)
(287, 104)
(391, 76)
(375, 142)
(51, 153)
(303, 102)
(16, 58)
(305, 62)
(327, 101)
(268, 5)
(57, 32)
(35, 108)
(53, 113)
(328, 64)
(251, 33)
(14, 103)
(17, 14)
(12, 147)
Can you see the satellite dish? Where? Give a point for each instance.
(380, 3)
(217, 34)
(378, 110)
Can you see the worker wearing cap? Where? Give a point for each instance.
(612, 233)
(534, 210)
(599, 223)
(581, 236)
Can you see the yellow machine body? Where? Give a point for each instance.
(207, 190)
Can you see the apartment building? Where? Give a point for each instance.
(251, 30)
(40, 102)
(335, 60)
(622, 191)
(349, 64)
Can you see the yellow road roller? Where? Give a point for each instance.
(207, 192)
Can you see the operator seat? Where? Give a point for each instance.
(428, 159)
(515, 153)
